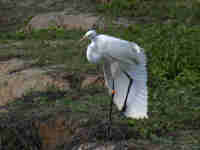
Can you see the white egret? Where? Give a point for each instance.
(125, 73)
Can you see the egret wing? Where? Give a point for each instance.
(137, 100)
(129, 94)
(121, 50)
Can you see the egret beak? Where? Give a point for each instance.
(83, 38)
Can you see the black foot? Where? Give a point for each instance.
(122, 115)
(107, 129)
(109, 133)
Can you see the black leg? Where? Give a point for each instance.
(129, 87)
(110, 112)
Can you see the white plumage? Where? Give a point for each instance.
(124, 71)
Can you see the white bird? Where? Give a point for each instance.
(125, 73)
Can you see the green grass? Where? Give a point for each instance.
(186, 11)
(48, 47)
(173, 68)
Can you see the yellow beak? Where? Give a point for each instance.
(83, 38)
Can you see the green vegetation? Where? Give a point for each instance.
(186, 11)
(173, 65)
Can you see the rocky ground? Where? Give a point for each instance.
(12, 18)
(51, 98)
(25, 123)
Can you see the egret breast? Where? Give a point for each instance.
(92, 54)
(93, 57)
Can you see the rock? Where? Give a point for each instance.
(54, 133)
(92, 79)
(4, 20)
(49, 3)
(104, 1)
(45, 4)
(60, 130)
(16, 81)
(120, 21)
(44, 21)
(96, 146)
(13, 65)
(103, 146)
(3, 110)
(88, 81)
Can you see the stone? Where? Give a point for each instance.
(116, 145)
(16, 80)
(3, 20)
(53, 133)
(104, 1)
(96, 146)
(61, 130)
(59, 19)
(13, 65)
(91, 80)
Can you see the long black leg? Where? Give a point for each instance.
(111, 105)
(110, 112)
(129, 87)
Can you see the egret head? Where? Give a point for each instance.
(91, 34)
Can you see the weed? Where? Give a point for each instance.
(173, 66)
